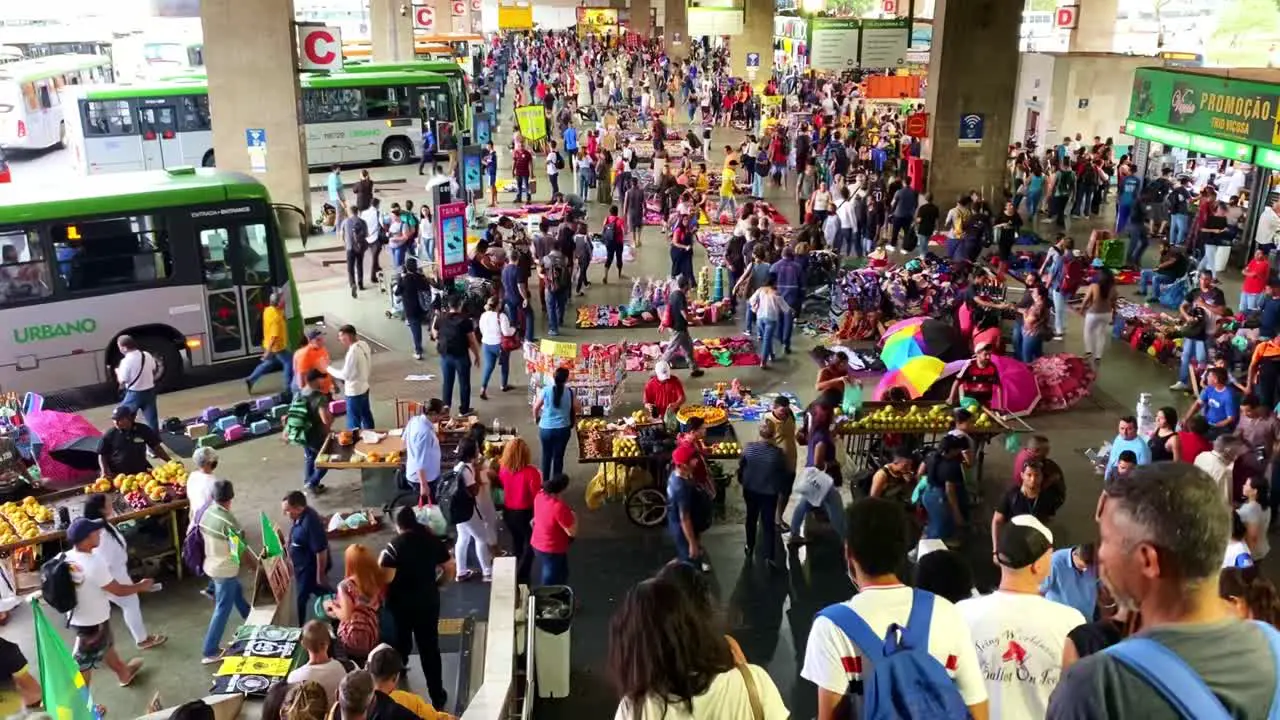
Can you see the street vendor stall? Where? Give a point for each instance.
(634, 455)
(876, 428)
(596, 372)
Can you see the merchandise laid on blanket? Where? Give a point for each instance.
(711, 305)
(1159, 335)
(863, 298)
(596, 372)
(634, 452)
(742, 404)
(707, 353)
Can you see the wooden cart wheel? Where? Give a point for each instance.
(646, 507)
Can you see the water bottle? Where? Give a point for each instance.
(1146, 415)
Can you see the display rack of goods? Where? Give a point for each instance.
(724, 449)
(910, 419)
(711, 416)
(595, 438)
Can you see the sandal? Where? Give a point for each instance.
(135, 665)
(154, 641)
(467, 576)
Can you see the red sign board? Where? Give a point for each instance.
(918, 125)
(1066, 17)
(459, 8)
(889, 7)
(424, 18)
(319, 48)
(451, 239)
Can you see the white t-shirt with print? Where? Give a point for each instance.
(949, 642)
(1019, 639)
(725, 699)
(90, 573)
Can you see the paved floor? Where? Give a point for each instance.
(768, 614)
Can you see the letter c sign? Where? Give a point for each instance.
(319, 48)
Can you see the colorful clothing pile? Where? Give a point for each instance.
(614, 316)
(712, 352)
(1064, 380)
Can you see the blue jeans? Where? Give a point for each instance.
(767, 330)
(584, 184)
(415, 333)
(683, 553)
(555, 312)
(554, 443)
(227, 594)
(456, 368)
(1154, 279)
(144, 401)
(522, 189)
(554, 568)
(493, 355)
(1191, 347)
(398, 254)
(1059, 312)
(757, 184)
(513, 309)
(282, 359)
(788, 324)
(1137, 244)
(940, 525)
(1017, 336)
(311, 475)
(1250, 301)
(1033, 204)
(833, 506)
(1031, 347)
(359, 412)
(1178, 224)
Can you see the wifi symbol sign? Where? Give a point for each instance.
(971, 126)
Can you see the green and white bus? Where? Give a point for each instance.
(348, 117)
(184, 260)
(32, 97)
(459, 85)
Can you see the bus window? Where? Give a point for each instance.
(332, 105)
(213, 256)
(255, 255)
(24, 275)
(112, 253)
(387, 102)
(29, 95)
(108, 117)
(46, 99)
(193, 113)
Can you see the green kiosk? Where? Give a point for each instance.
(1211, 123)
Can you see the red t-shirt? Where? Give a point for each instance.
(662, 394)
(521, 161)
(550, 515)
(519, 487)
(1255, 279)
(1190, 445)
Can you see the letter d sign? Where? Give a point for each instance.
(319, 48)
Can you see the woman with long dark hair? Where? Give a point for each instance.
(413, 564)
(1099, 311)
(1164, 441)
(554, 412)
(115, 552)
(668, 660)
(1249, 595)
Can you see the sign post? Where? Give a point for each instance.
(753, 66)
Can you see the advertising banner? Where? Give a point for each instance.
(1223, 108)
(515, 17)
(597, 20)
(884, 43)
(533, 122)
(834, 45)
(451, 239)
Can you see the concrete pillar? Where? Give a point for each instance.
(973, 71)
(250, 52)
(391, 31)
(756, 37)
(1095, 27)
(640, 18)
(675, 28)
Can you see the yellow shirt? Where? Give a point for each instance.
(273, 332)
(417, 705)
(727, 186)
(702, 183)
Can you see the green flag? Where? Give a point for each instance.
(270, 540)
(64, 692)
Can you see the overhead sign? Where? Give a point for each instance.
(319, 47)
(1267, 158)
(918, 125)
(713, 21)
(255, 140)
(889, 7)
(515, 17)
(834, 44)
(971, 130)
(424, 18)
(1235, 110)
(884, 43)
(1190, 141)
(753, 60)
(1066, 17)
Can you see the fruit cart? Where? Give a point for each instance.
(877, 427)
(28, 527)
(635, 460)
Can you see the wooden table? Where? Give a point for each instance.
(380, 481)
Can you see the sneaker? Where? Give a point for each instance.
(1057, 338)
(417, 356)
(484, 394)
(207, 593)
(211, 659)
(1179, 386)
(748, 550)
(697, 372)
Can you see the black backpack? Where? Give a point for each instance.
(609, 234)
(1177, 201)
(559, 161)
(456, 503)
(56, 586)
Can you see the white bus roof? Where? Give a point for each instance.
(45, 67)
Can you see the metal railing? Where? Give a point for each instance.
(495, 699)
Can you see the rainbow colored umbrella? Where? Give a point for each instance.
(909, 322)
(929, 337)
(915, 376)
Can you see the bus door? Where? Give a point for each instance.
(236, 263)
(158, 126)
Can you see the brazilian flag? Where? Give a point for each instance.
(65, 694)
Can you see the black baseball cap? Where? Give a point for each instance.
(1022, 541)
(124, 411)
(82, 528)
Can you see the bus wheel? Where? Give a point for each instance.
(207, 160)
(169, 365)
(397, 151)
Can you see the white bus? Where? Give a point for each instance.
(31, 102)
(349, 118)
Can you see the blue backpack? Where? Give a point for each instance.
(904, 682)
(1178, 684)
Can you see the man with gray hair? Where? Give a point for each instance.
(1163, 532)
(359, 699)
(1219, 463)
(275, 344)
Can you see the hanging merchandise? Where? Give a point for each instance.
(596, 372)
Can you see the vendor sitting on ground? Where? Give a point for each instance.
(663, 392)
(123, 449)
(1171, 267)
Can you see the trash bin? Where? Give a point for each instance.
(553, 616)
